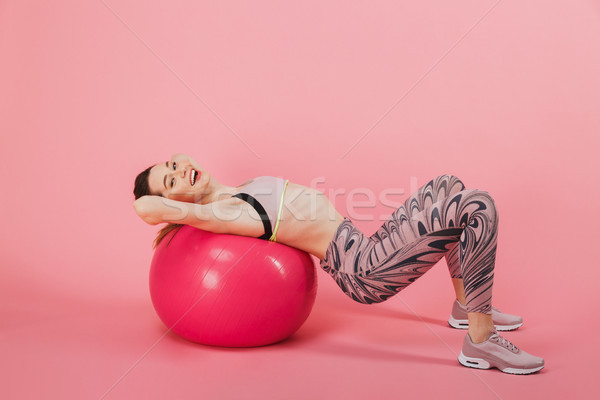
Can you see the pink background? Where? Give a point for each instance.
(504, 95)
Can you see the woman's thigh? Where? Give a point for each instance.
(449, 215)
(371, 271)
(436, 189)
(353, 263)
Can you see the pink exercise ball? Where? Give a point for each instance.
(230, 290)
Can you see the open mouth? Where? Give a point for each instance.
(194, 175)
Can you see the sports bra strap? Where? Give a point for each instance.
(273, 238)
(261, 211)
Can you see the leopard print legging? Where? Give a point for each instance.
(441, 219)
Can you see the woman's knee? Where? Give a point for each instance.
(453, 183)
(486, 199)
(487, 196)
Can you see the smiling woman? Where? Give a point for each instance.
(181, 192)
(441, 219)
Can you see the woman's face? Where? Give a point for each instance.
(178, 180)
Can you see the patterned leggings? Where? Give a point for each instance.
(441, 219)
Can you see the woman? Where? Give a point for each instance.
(442, 218)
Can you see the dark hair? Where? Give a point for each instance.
(142, 188)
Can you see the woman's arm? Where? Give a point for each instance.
(157, 209)
(223, 216)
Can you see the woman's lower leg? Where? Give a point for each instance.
(459, 290)
(480, 326)
(477, 259)
(477, 251)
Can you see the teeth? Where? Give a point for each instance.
(194, 175)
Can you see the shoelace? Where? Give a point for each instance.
(504, 342)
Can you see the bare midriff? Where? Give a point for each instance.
(308, 220)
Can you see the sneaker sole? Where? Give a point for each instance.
(464, 324)
(480, 363)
